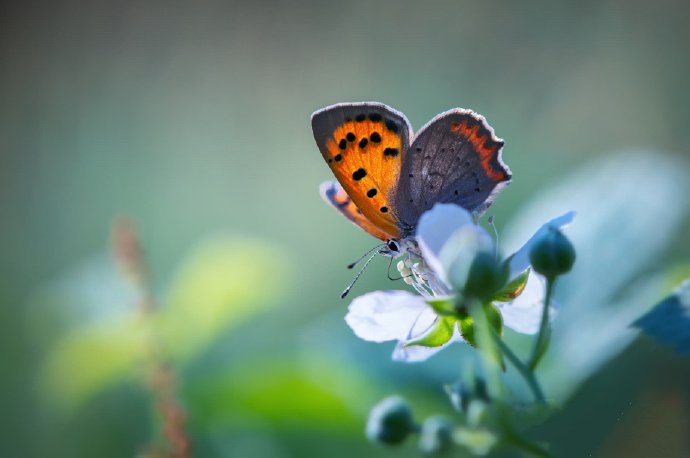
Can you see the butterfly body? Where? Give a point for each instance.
(388, 177)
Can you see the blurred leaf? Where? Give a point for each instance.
(284, 394)
(512, 289)
(90, 358)
(669, 321)
(616, 213)
(222, 283)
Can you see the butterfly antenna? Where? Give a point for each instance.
(377, 247)
(349, 287)
(493, 226)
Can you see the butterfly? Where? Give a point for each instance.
(387, 176)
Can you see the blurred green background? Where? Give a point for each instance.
(192, 118)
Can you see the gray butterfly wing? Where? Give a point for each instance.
(455, 158)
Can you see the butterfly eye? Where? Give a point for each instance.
(393, 246)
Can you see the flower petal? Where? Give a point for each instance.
(446, 233)
(389, 315)
(519, 261)
(460, 251)
(523, 315)
(435, 227)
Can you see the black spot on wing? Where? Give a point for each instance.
(392, 126)
(359, 174)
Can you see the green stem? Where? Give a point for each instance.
(520, 442)
(489, 351)
(542, 342)
(524, 371)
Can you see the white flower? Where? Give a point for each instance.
(448, 241)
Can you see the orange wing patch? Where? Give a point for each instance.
(335, 195)
(486, 148)
(365, 155)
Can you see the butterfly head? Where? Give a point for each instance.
(392, 248)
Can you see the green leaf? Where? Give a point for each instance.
(467, 329)
(223, 282)
(495, 318)
(512, 289)
(439, 334)
(315, 392)
(444, 306)
(88, 360)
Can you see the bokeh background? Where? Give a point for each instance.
(192, 118)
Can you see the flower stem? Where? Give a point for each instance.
(488, 349)
(524, 371)
(542, 342)
(514, 439)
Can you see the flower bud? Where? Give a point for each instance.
(462, 393)
(390, 421)
(552, 254)
(486, 276)
(436, 435)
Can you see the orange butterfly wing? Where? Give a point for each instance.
(335, 195)
(364, 145)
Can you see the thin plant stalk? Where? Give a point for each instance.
(162, 377)
(544, 335)
(522, 369)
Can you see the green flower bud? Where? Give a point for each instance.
(390, 421)
(436, 435)
(486, 276)
(552, 254)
